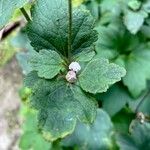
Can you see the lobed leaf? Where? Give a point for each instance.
(60, 105)
(103, 75)
(49, 27)
(47, 63)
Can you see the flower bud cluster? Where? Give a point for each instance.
(74, 68)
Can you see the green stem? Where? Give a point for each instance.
(25, 14)
(142, 100)
(56, 145)
(70, 28)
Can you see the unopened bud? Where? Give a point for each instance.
(141, 117)
(74, 66)
(71, 77)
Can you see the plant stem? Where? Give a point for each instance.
(6, 31)
(56, 145)
(69, 28)
(141, 101)
(25, 14)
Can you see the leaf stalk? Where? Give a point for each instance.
(25, 14)
(141, 101)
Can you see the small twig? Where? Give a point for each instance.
(7, 30)
(25, 14)
(70, 28)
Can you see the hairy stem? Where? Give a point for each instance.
(69, 28)
(25, 14)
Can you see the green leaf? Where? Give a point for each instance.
(112, 6)
(93, 7)
(144, 101)
(144, 107)
(138, 140)
(134, 21)
(7, 8)
(92, 137)
(104, 75)
(115, 41)
(60, 105)
(146, 30)
(21, 41)
(84, 56)
(122, 120)
(31, 79)
(47, 63)
(146, 6)
(106, 46)
(137, 66)
(22, 58)
(134, 4)
(49, 27)
(115, 99)
(127, 50)
(31, 138)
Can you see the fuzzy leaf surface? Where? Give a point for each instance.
(103, 75)
(60, 105)
(49, 27)
(47, 63)
(84, 56)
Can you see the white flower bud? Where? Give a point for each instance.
(71, 77)
(141, 117)
(74, 66)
